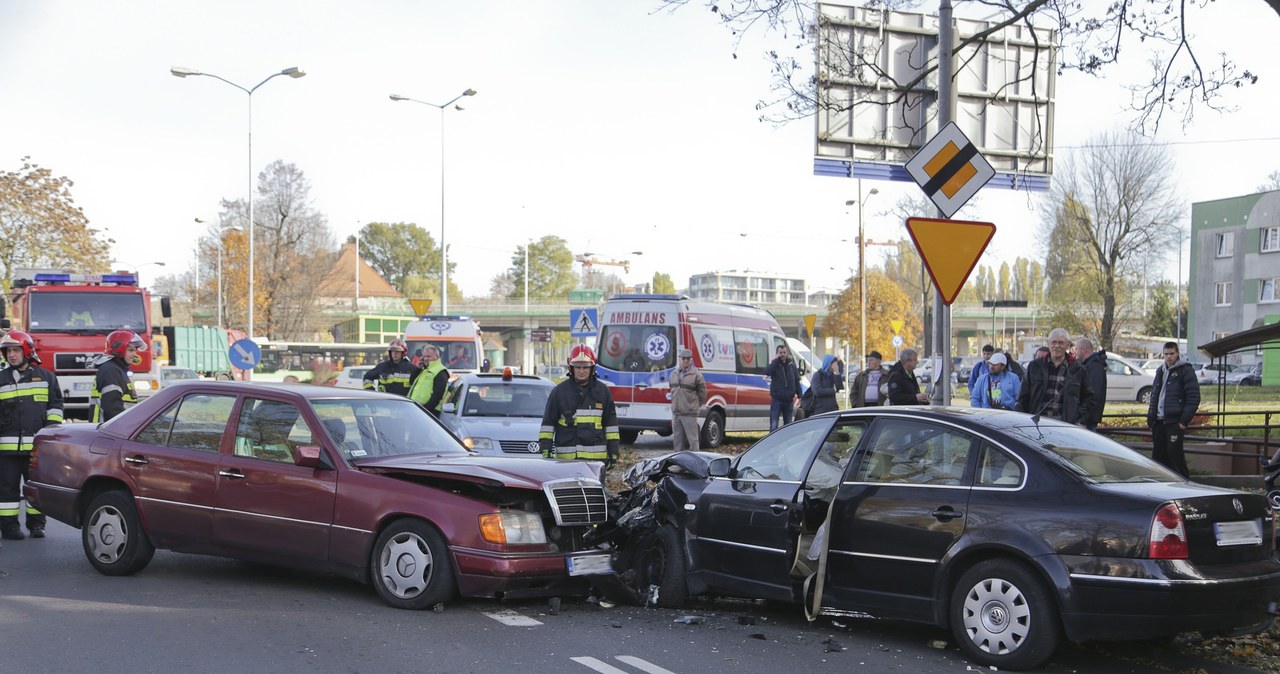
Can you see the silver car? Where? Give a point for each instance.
(497, 414)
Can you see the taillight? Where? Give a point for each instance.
(1168, 537)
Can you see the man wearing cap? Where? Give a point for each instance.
(866, 386)
(981, 367)
(998, 388)
(688, 394)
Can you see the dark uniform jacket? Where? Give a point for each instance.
(1077, 398)
(580, 422)
(112, 390)
(1181, 391)
(1095, 370)
(391, 377)
(29, 400)
(784, 379)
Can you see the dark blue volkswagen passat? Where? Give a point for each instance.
(1015, 532)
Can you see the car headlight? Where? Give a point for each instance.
(513, 528)
(477, 443)
(143, 385)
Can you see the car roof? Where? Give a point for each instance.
(496, 378)
(308, 391)
(985, 418)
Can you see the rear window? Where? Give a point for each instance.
(638, 348)
(505, 400)
(1092, 456)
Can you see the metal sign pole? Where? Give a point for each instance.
(946, 103)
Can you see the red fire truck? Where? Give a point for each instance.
(69, 316)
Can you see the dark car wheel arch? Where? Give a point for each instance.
(91, 490)
(993, 615)
(1055, 579)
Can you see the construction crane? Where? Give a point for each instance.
(590, 259)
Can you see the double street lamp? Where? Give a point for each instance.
(862, 270)
(444, 252)
(293, 72)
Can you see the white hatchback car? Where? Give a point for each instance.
(352, 376)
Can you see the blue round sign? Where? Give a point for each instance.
(244, 354)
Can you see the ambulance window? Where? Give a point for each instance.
(637, 348)
(753, 351)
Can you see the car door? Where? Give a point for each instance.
(1123, 381)
(897, 516)
(747, 523)
(266, 503)
(173, 463)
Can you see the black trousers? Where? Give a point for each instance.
(13, 470)
(1166, 440)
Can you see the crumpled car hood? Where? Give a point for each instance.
(493, 471)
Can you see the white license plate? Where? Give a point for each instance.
(1238, 533)
(621, 409)
(588, 565)
(83, 386)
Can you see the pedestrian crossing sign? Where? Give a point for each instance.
(583, 322)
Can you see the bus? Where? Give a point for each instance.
(457, 338)
(313, 362)
(639, 336)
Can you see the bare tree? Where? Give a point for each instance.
(1117, 201)
(1272, 184)
(1092, 35)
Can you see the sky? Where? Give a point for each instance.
(615, 125)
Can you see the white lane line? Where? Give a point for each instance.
(511, 618)
(643, 665)
(597, 665)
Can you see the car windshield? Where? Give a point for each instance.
(1092, 456)
(362, 428)
(505, 400)
(178, 374)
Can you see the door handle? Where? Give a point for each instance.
(233, 474)
(141, 460)
(946, 513)
(641, 385)
(778, 508)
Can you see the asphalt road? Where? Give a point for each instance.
(200, 614)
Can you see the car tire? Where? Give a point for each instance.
(112, 535)
(1003, 616)
(1144, 395)
(712, 430)
(410, 566)
(628, 437)
(663, 565)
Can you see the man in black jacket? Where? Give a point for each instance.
(903, 389)
(113, 391)
(395, 374)
(30, 399)
(1095, 371)
(1056, 387)
(1175, 397)
(784, 386)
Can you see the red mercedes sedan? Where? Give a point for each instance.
(361, 484)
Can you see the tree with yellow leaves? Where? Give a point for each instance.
(886, 302)
(41, 226)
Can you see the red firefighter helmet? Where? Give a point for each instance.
(20, 338)
(119, 340)
(397, 345)
(582, 355)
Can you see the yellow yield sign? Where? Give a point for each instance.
(896, 325)
(950, 250)
(809, 321)
(420, 307)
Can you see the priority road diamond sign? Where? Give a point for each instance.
(950, 169)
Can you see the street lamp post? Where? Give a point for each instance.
(293, 72)
(220, 319)
(862, 270)
(444, 251)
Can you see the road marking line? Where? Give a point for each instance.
(511, 618)
(597, 665)
(643, 665)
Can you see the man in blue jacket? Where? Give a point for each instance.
(997, 389)
(784, 384)
(1175, 397)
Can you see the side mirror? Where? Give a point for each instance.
(449, 407)
(2, 314)
(719, 467)
(166, 307)
(308, 456)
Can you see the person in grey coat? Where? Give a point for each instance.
(688, 394)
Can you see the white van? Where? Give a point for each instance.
(457, 337)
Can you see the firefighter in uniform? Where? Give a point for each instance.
(30, 399)
(395, 374)
(112, 390)
(580, 421)
(429, 386)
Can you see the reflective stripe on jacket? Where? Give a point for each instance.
(112, 390)
(30, 399)
(391, 377)
(580, 422)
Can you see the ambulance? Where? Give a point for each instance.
(639, 337)
(457, 337)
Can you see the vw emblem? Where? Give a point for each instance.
(1238, 506)
(534, 447)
